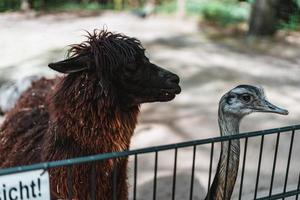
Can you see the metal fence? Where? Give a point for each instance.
(180, 171)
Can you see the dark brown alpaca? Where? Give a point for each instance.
(92, 110)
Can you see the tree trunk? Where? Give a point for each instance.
(25, 5)
(263, 18)
(180, 8)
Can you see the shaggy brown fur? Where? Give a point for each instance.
(90, 111)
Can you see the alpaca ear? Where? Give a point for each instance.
(72, 65)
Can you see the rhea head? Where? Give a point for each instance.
(246, 99)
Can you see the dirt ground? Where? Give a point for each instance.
(208, 66)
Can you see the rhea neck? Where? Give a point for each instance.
(229, 125)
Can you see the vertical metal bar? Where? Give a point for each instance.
(259, 165)
(288, 162)
(155, 176)
(93, 181)
(174, 174)
(70, 182)
(226, 173)
(135, 176)
(210, 168)
(243, 168)
(298, 187)
(193, 172)
(274, 163)
(114, 180)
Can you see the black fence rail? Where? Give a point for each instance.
(269, 167)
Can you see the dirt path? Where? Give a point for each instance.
(207, 67)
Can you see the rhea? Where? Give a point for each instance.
(233, 106)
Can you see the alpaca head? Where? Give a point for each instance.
(119, 64)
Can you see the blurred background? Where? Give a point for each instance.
(213, 45)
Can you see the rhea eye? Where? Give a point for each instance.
(246, 98)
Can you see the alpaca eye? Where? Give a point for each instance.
(146, 60)
(246, 98)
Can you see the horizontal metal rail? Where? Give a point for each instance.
(281, 195)
(87, 159)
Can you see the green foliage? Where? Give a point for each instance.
(224, 13)
(61, 5)
(195, 7)
(72, 6)
(220, 12)
(9, 5)
(292, 25)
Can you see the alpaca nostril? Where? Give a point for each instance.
(173, 79)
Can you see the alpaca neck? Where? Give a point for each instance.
(229, 125)
(90, 122)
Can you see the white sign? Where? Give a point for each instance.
(33, 185)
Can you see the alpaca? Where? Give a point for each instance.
(91, 110)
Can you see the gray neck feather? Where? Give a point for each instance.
(229, 125)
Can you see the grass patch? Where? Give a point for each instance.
(166, 8)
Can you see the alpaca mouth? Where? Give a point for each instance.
(169, 94)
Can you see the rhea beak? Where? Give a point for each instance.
(266, 106)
